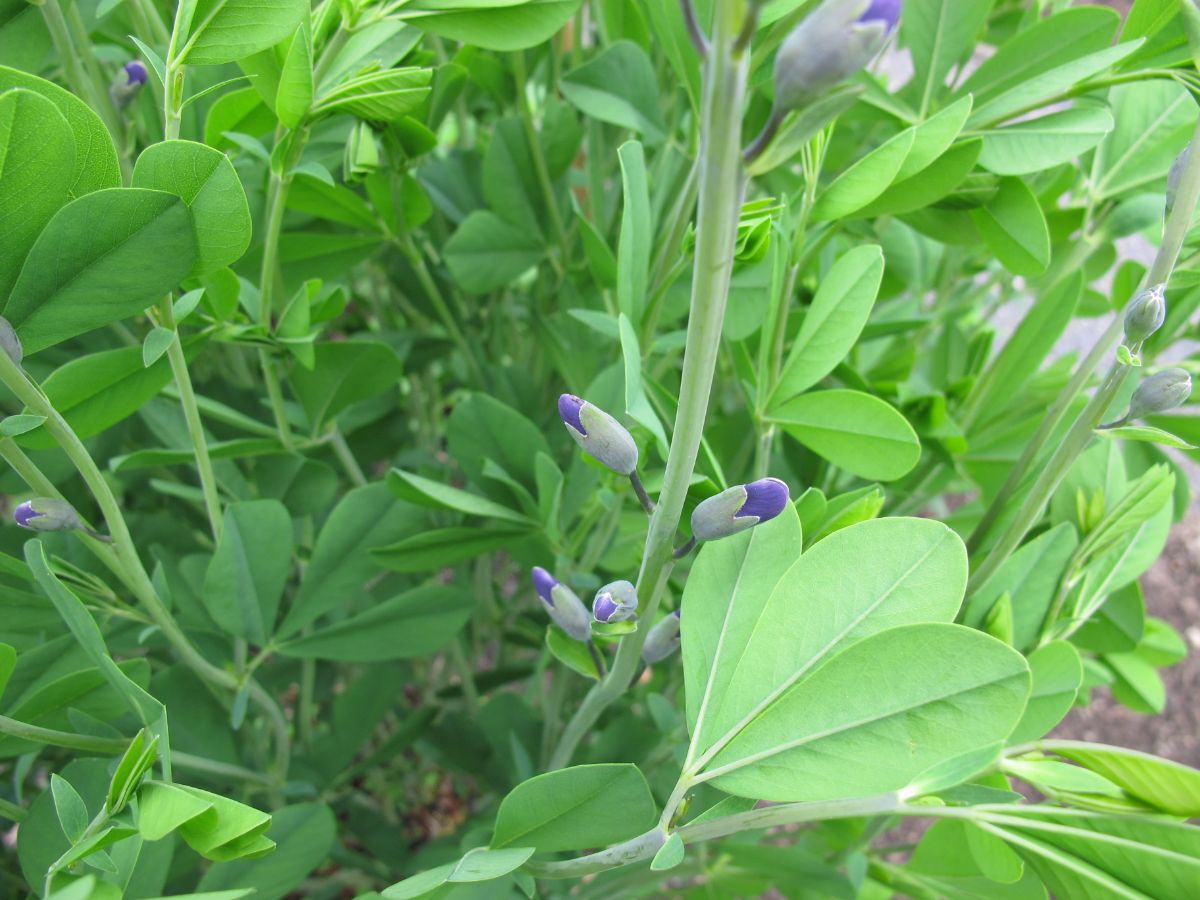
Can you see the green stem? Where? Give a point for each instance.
(720, 202)
(345, 456)
(191, 415)
(1174, 234)
(85, 742)
(131, 571)
(466, 676)
(438, 299)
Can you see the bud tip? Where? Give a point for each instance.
(569, 407)
(544, 583)
(765, 499)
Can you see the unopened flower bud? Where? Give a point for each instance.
(663, 639)
(9, 342)
(615, 602)
(1145, 314)
(566, 609)
(831, 44)
(738, 508)
(47, 514)
(127, 83)
(599, 434)
(1159, 393)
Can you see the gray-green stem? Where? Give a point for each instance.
(1174, 234)
(721, 185)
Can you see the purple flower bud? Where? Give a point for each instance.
(47, 514)
(127, 83)
(564, 607)
(615, 602)
(599, 434)
(738, 508)
(544, 583)
(135, 72)
(663, 639)
(886, 11)
(833, 42)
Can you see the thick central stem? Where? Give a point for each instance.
(721, 184)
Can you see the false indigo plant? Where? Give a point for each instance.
(291, 601)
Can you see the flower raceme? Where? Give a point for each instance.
(738, 508)
(563, 606)
(615, 602)
(599, 434)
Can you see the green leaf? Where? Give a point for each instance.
(866, 179)
(1146, 433)
(441, 547)
(1167, 786)
(8, 661)
(1154, 121)
(1039, 144)
(502, 25)
(100, 259)
(72, 814)
(636, 239)
(415, 623)
(1023, 353)
(855, 431)
(934, 182)
(378, 96)
(215, 826)
(480, 864)
(158, 340)
(1080, 854)
(637, 404)
(96, 391)
(366, 518)
(95, 163)
(295, 93)
(12, 426)
(1031, 92)
(306, 834)
(833, 322)
(1044, 45)
(205, 180)
(669, 855)
(486, 253)
(417, 489)
(87, 634)
(244, 583)
(618, 86)
(482, 428)
(344, 373)
(571, 653)
(827, 738)
(510, 183)
(224, 31)
(939, 34)
(36, 174)
(1014, 228)
(570, 809)
(1057, 674)
(741, 645)
(1030, 577)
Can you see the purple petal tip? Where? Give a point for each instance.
(604, 608)
(544, 583)
(568, 410)
(135, 71)
(24, 513)
(765, 499)
(886, 11)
